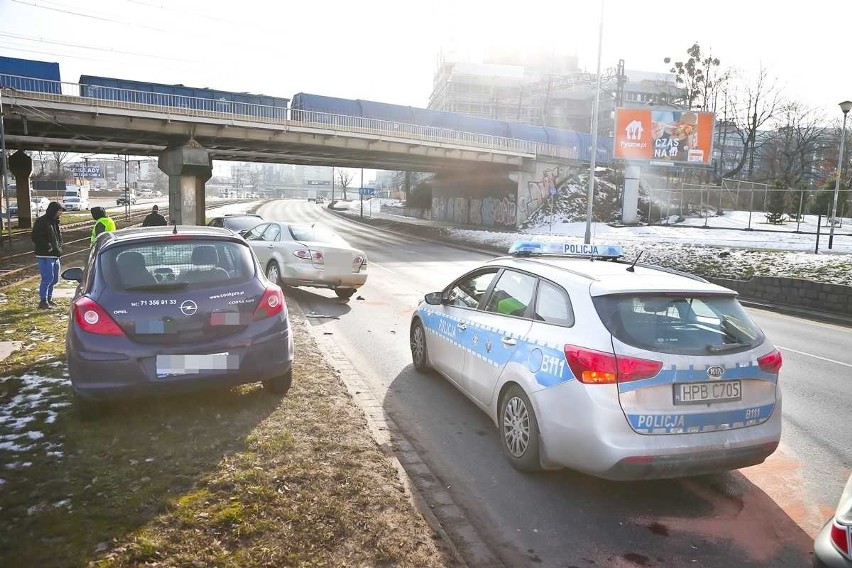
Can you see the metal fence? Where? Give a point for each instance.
(221, 109)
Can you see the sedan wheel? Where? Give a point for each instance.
(344, 293)
(519, 433)
(419, 351)
(273, 273)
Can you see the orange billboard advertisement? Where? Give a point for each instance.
(664, 136)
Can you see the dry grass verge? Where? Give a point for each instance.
(231, 477)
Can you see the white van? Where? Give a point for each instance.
(76, 198)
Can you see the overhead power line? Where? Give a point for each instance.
(90, 16)
(94, 48)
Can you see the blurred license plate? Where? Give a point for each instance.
(698, 393)
(169, 365)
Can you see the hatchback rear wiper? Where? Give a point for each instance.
(726, 347)
(155, 287)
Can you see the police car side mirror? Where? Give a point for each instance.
(434, 298)
(75, 274)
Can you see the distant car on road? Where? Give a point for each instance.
(163, 309)
(124, 199)
(237, 222)
(320, 200)
(308, 255)
(615, 369)
(833, 544)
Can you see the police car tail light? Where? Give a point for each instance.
(771, 362)
(92, 318)
(599, 367)
(271, 303)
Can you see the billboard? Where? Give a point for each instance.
(84, 170)
(664, 136)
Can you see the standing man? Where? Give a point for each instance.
(154, 219)
(102, 223)
(48, 248)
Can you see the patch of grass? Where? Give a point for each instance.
(228, 477)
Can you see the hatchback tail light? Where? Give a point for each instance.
(271, 303)
(599, 367)
(91, 317)
(771, 362)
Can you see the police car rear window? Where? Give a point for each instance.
(679, 324)
(166, 264)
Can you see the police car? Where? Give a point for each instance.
(613, 368)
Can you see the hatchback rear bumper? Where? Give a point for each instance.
(103, 374)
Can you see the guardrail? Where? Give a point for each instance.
(180, 105)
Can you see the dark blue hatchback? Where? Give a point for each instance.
(163, 309)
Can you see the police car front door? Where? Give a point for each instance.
(498, 332)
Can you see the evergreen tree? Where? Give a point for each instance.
(777, 203)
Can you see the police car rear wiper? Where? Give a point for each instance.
(155, 287)
(726, 347)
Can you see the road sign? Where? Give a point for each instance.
(366, 191)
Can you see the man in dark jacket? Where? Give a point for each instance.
(48, 248)
(154, 219)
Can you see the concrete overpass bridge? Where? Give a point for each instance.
(55, 117)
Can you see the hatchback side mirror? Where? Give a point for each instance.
(75, 274)
(434, 298)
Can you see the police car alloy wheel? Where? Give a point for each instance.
(519, 430)
(419, 353)
(273, 273)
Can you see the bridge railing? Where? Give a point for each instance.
(220, 109)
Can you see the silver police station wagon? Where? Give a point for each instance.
(616, 369)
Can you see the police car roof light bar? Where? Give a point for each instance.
(538, 248)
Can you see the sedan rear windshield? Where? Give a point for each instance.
(169, 264)
(679, 324)
(306, 233)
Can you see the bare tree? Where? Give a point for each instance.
(792, 152)
(700, 78)
(59, 158)
(752, 105)
(344, 178)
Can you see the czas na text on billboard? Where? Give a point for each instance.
(673, 136)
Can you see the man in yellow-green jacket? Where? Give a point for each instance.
(102, 223)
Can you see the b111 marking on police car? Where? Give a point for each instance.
(705, 393)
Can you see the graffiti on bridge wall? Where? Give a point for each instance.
(486, 212)
(538, 192)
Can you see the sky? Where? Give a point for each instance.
(388, 50)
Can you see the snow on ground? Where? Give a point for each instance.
(35, 404)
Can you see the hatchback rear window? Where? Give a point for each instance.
(679, 324)
(167, 264)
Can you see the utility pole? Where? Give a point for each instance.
(4, 169)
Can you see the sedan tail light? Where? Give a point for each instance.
(91, 317)
(840, 537)
(359, 263)
(271, 303)
(599, 367)
(771, 362)
(315, 256)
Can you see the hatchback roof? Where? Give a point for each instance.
(612, 277)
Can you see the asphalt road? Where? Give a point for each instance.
(762, 516)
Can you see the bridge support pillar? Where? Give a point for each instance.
(188, 167)
(630, 200)
(21, 167)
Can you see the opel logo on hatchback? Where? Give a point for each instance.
(715, 372)
(188, 307)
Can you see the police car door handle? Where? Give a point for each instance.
(509, 341)
(461, 326)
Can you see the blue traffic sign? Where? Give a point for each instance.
(366, 191)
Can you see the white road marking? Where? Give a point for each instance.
(374, 265)
(814, 356)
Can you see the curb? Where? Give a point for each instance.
(429, 496)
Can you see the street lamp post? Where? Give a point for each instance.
(845, 106)
(587, 239)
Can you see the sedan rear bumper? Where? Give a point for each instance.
(321, 278)
(825, 554)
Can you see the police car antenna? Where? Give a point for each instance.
(638, 256)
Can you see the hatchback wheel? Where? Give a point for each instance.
(344, 293)
(419, 352)
(273, 273)
(280, 384)
(519, 434)
(88, 409)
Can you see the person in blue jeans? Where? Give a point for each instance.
(48, 248)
